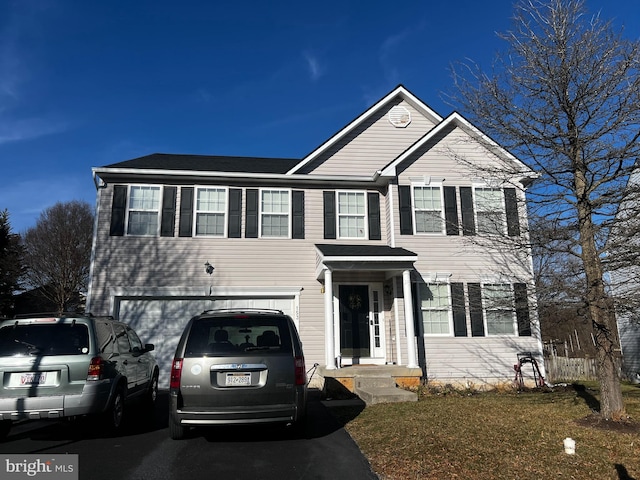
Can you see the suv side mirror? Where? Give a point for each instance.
(149, 347)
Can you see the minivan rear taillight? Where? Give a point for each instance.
(95, 369)
(301, 373)
(176, 373)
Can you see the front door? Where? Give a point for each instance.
(355, 339)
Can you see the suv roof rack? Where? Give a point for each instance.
(60, 315)
(243, 310)
(51, 314)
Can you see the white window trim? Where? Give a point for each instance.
(289, 213)
(158, 211)
(503, 206)
(365, 215)
(196, 211)
(427, 183)
(438, 281)
(513, 311)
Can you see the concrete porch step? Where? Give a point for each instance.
(381, 389)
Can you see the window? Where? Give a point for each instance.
(274, 213)
(499, 312)
(210, 211)
(144, 210)
(435, 305)
(427, 210)
(490, 211)
(351, 215)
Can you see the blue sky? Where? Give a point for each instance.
(89, 83)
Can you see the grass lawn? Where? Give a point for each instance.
(467, 435)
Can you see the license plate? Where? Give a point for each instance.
(33, 378)
(235, 379)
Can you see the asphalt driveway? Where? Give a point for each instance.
(144, 450)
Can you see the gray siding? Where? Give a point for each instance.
(372, 146)
(139, 263)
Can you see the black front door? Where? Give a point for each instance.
(354, 321)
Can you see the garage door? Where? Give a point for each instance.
(161, 320)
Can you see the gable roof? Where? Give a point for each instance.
(399, 91)
(457, 120)
(283, 169)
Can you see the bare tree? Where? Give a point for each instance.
(565, 98)
(58, 252)
(10, 264)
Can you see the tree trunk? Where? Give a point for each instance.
(598, 306)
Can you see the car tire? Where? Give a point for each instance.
(152, 392)
(298, 428)
(176, 431)
(5, 428)
(114, 415)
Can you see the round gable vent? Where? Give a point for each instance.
(399, 116)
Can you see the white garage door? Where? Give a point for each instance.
(161, 320)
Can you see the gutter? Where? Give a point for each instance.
(100, 173)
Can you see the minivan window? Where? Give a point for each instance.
(44, 339)
(227, 336)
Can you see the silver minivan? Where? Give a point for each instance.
(237, 367)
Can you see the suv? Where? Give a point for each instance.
(70, 365)
(237, 367)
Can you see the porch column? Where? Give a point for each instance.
(412, 359)
(329, 331)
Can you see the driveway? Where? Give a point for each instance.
(144, 451)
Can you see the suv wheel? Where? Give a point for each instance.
(152, 393)
(115, 413)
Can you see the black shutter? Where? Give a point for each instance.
(459, 310)
(185, 228)
(329, 215)
(251, 220)
(235, 212)
(451, 211)
(466, 204)
(522, 309)
(418, 319)
(406, 215)
(168, 220)
(511, 206)
(297, 221)
(475, 309)
(118, 209)
(373, 201)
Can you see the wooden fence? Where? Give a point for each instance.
(564, 369)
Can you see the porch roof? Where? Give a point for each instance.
(338, 257)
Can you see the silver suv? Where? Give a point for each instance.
(65, 366)
(237, 367)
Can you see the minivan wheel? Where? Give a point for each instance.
(297, 429)
(5, 428)
(115, 413)
(176, 430)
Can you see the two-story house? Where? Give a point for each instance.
(370, 243)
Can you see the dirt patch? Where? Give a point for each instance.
(596, 421)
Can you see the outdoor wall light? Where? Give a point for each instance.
(208, 268)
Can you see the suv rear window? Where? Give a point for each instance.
(240, 334)
(49, 339)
